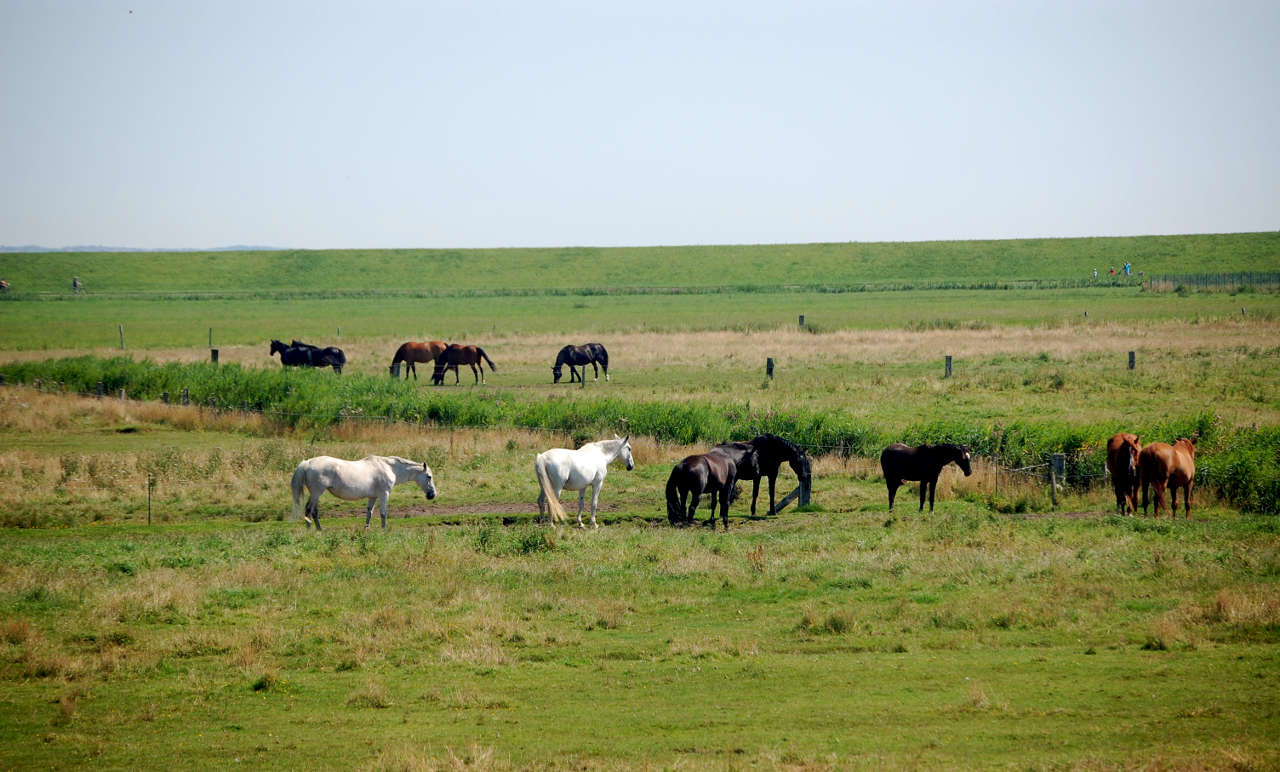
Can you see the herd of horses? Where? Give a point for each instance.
(444, 357)
(1158, 466)
(717, 472)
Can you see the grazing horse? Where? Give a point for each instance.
(412, 352)
(903, 462)
(586, 354)
(455, 355)
(372, 478)
(772, 451)
(298, 354)
(746, 461)
(1162, 465)
(713, 473)
(1122, 464)
(576, 470)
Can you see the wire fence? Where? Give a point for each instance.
(1226, 282)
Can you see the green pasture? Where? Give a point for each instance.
(93, 323)
(767, 265)
(190, 621)
(811, 640)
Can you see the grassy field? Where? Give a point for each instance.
(762, 266)
(199, 623)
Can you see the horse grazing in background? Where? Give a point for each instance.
(901, 463)
(372, 478)
(712, 473)
(455, 355)
(412, 352)
(581, 356)
(772, 451)
(1122, 465)
(298, 354)
(576, 470)
(1161, 465)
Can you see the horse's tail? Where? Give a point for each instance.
(298, 485)
(675, 510)
(544, 480)
(492, 366)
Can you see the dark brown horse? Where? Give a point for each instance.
(712, 473)
(1161, 465)
(772, 450)
(1122, 465)
(298, 354)
(901, 463)
(746, 461)
(581, 356)
(412, 352)
(455, 355)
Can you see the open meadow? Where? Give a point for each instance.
(157, 603)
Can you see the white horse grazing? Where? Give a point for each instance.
(560, 468)
(371, 477)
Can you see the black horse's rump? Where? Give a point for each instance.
(903, 462)
(713, 473)
(298, 354)
(581, 356)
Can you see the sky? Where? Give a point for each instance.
(175, 124)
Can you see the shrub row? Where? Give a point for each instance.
(1241, 463)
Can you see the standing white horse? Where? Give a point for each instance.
(560, 468)
(371, 477)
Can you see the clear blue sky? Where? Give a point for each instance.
(469, 124)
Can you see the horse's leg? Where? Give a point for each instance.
(924, 489)
(313, 506)
(755, 491)
(1159, 493)
(694, 497)
(712, 500)
(893, 486)
(1173, 493)
(773, 506)
(595, 501)
(724, 505)
(594, 369)
(933, 488)
(382, 504)
(1187, 499)
(582, 498)
(542, 501)
(368, 511)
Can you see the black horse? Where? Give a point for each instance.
(299, 354)
(903, 462)
(746, 461)
(581, 356)
(713, 473)
(772, 450)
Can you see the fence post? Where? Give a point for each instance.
(164, 397)
(1132, 359)
(186, 396)
(100, 388)
(801, 320)
(768, 366)
(122, 394)
(213, 355)
(947, 374)
(1057, 468)
(121, 328)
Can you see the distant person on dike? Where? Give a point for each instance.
(75, 285)
(1095, 273)
(4, 285)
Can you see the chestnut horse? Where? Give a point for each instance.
(455, 355)
(903, 462)
(713, 473)
(1162, 465)
(412, 352)
(1122, 465)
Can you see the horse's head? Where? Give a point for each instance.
(556, 372)
(625, 453)
(426, 482)
(800, 465)
(962, 459)
(277, 347)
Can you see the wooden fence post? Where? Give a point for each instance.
(947, 374)
(100, 389)
(801, 320)
(1132, 359)
(186, 396)
(213, 355)
(164, 397)
(768, 366)
(121, 328)
(1057, 469)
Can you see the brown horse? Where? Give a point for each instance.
(713, 473)
(456, 355)
(1162, 465)
(412, 352)
(1122, 465)
(924, 463)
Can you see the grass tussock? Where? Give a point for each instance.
(370, 694)
(410, 758)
